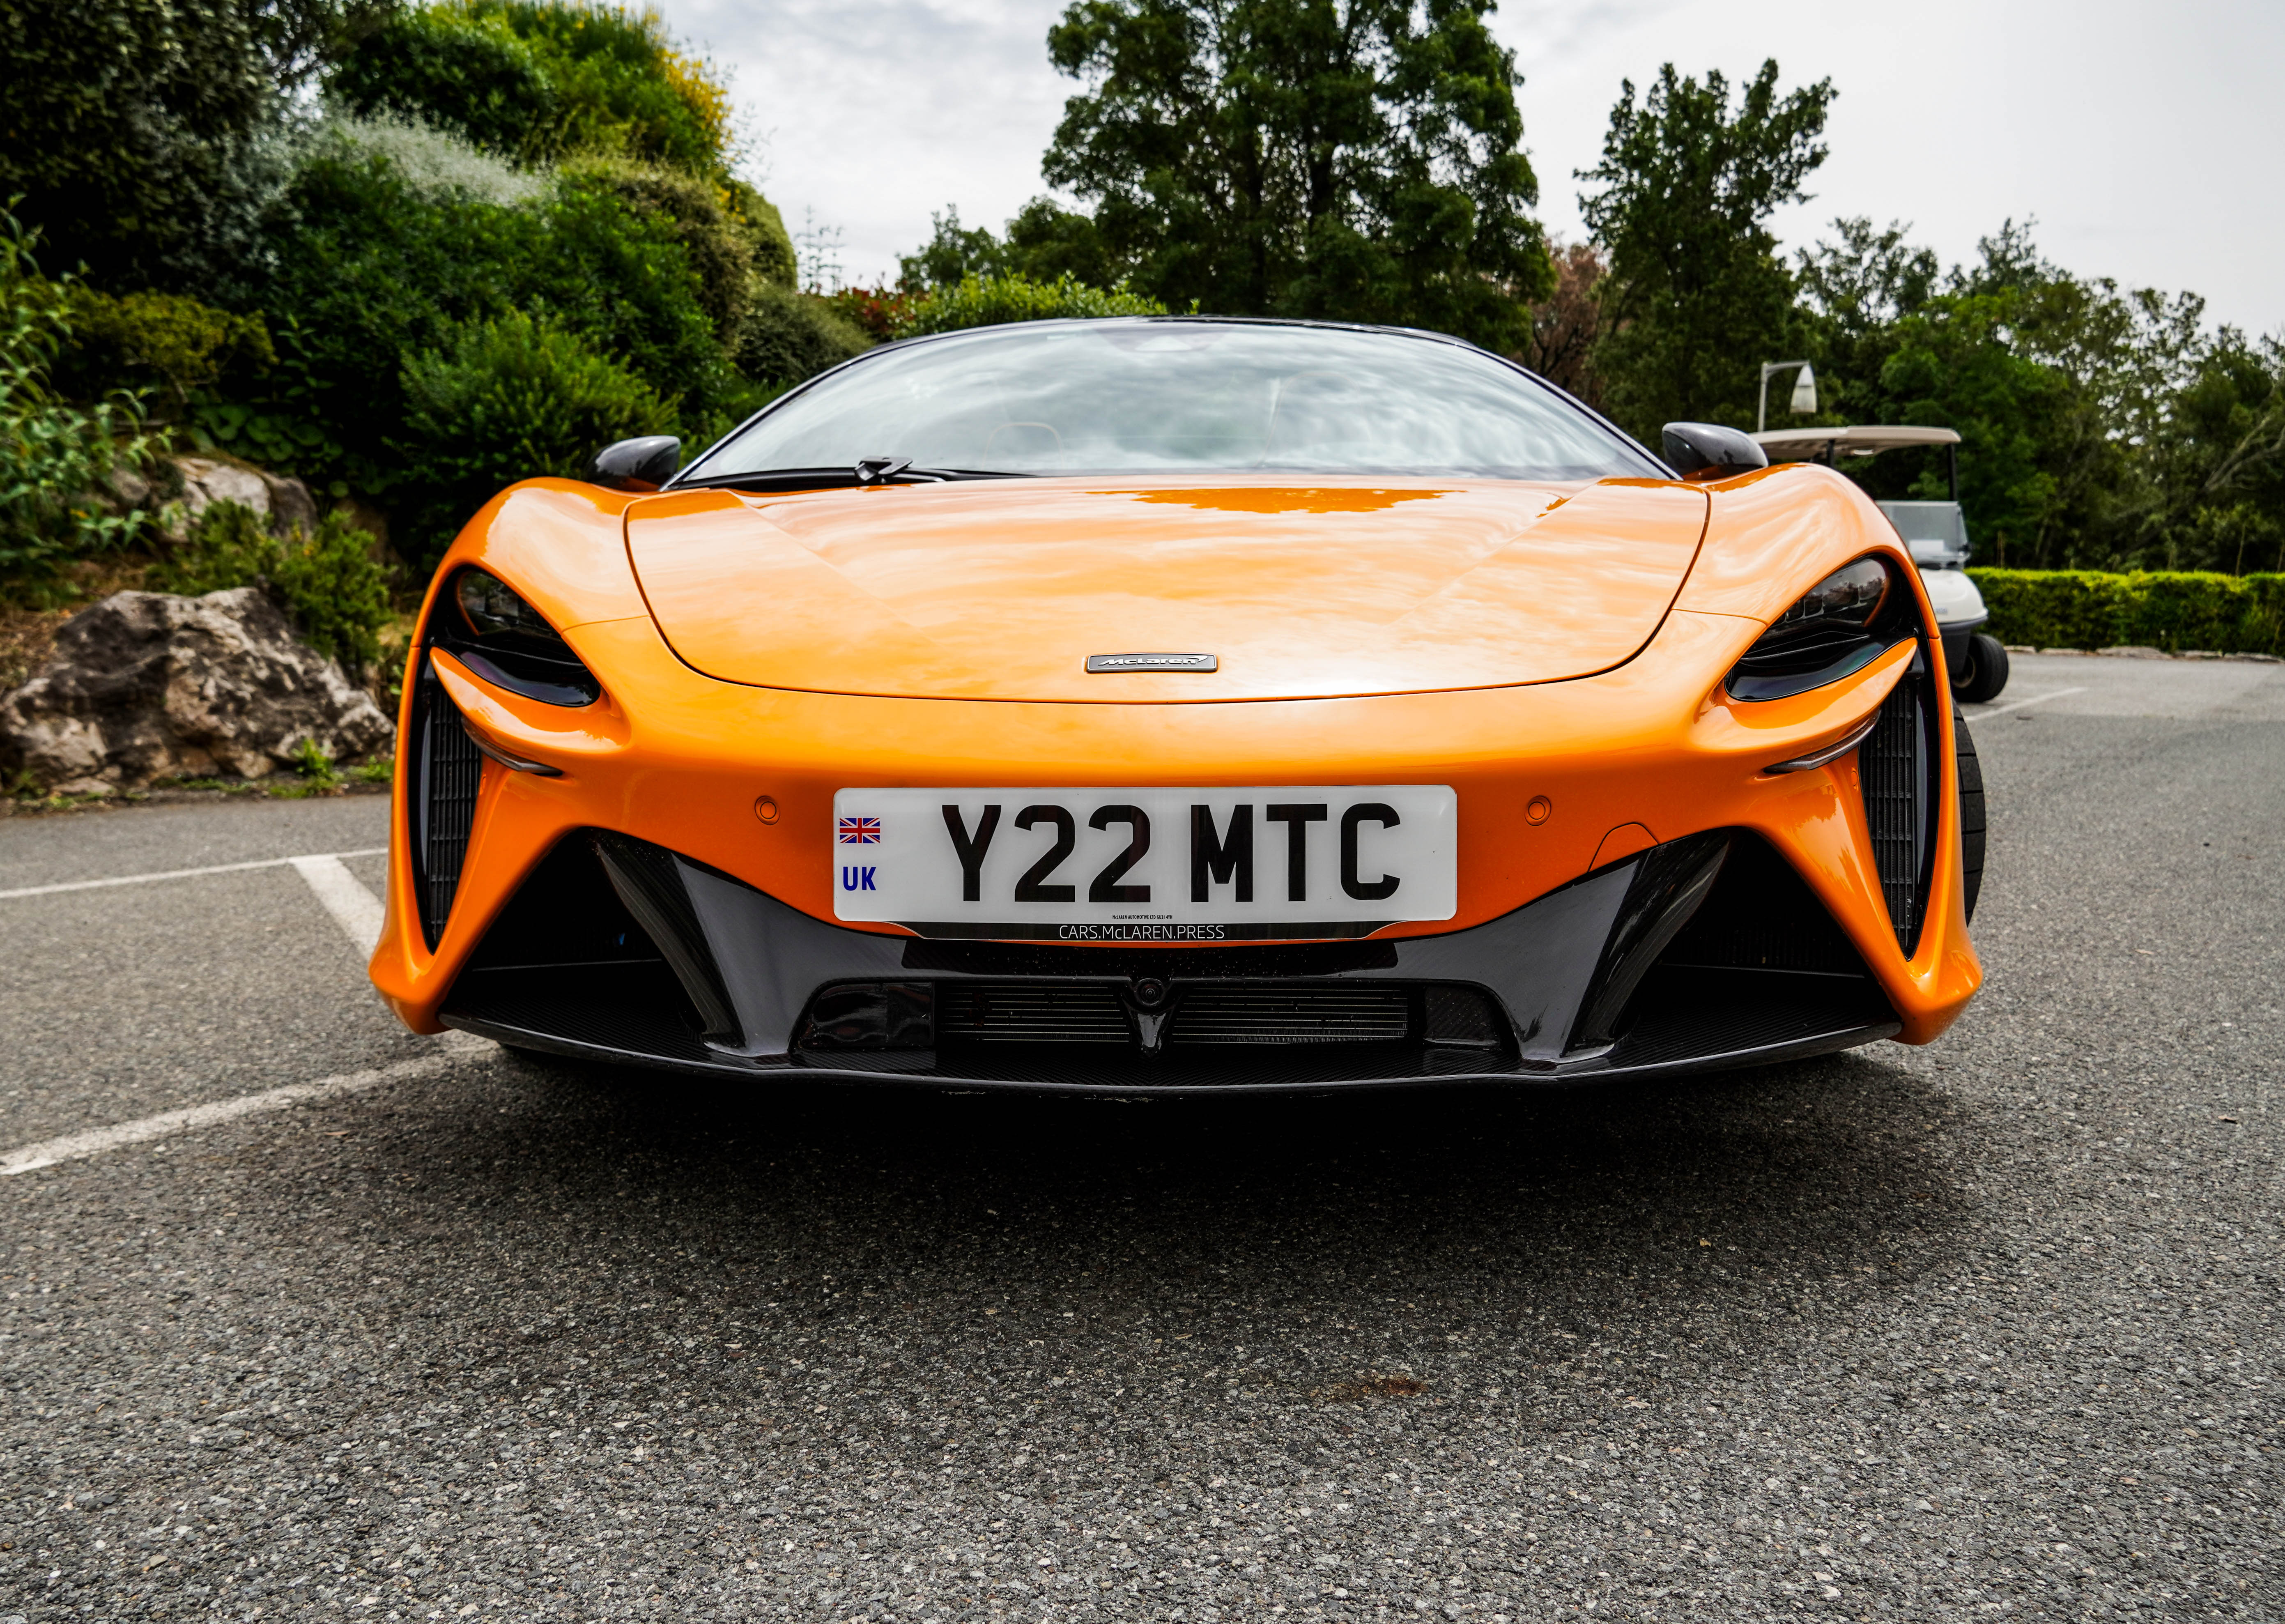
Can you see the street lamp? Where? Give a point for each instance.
(1804, 391)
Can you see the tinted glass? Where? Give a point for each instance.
(1139, 397)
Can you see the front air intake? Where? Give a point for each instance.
(446, 772)
(1896, 769)
(1271, 1013)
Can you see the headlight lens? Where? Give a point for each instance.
(1851, 595)
(490, 629)
(492, 607)
(1840, 625)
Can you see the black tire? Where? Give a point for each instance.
(1983, 670)
(1971, 808)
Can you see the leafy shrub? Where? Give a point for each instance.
(774, 259)
(620, 84)
(430, 158)
(874, 311)
(505, 400)
(788, 336)
(375, 269)
(983, 302)
(54, 457)
(154, 340)
(466, 74)
(536, 82)
(137, 130)
(328, 583)
(717, 246)
(2085, 609)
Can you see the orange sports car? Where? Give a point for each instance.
(1179, 704)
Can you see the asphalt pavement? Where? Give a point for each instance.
(1983, 1330)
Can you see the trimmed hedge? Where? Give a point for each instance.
(2085, 609)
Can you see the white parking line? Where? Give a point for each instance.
(181, 873)
(354, 908)
(2017, 704)
(457, 1046)
(358, 913)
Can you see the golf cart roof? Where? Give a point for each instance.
(1865, 440)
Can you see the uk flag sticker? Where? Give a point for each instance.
(860, 831)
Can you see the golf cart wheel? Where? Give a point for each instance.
(1971, 807)
(1983, 672)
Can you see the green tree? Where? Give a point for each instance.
(1046, 242)
(1696, 294)
(1353, 159)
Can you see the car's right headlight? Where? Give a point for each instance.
(486, 625)
(1840, 625)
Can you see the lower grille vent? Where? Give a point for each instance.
(1032, 1012)
(1893, 765)
(446, 776)
(1292, 1015)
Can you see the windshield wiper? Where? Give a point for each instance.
(869, 471)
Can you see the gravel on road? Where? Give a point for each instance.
(1988, 1329)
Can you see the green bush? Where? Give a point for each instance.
(466, 74)
(535, 81)
(983, 302)
(372, 268)
(788, 336)
(157, 340)
(54, 457)
(328, 583)
(2085, 609)
(505, 400)
(134, 131)
(716, 244)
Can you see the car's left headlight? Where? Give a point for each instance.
(486, 625)
(1840, 625)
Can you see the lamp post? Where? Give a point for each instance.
(1804, 391)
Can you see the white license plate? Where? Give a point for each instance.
(1147, 864)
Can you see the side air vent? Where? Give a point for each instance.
(446, 772)
(1896, 765)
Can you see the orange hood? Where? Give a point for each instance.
(1000, 589)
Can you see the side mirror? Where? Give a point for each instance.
(1708, 450)
(643, 464)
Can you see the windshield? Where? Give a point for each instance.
(1147, 396)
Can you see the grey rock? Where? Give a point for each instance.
(127, 488)
(291, 506)
(148, 684)
(286, 503)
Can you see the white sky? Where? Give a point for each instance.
(2144, 139)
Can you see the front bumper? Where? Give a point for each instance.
(740, 985)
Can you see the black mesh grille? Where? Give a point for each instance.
(444, 807)
(1292, 1015)
(1893, 767)
(1029, 1012)
(1762, 916)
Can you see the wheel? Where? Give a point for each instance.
(1982, 670)
(1971, 808)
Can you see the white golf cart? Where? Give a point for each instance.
(1937, 532)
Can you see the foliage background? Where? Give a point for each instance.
(410, 253)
